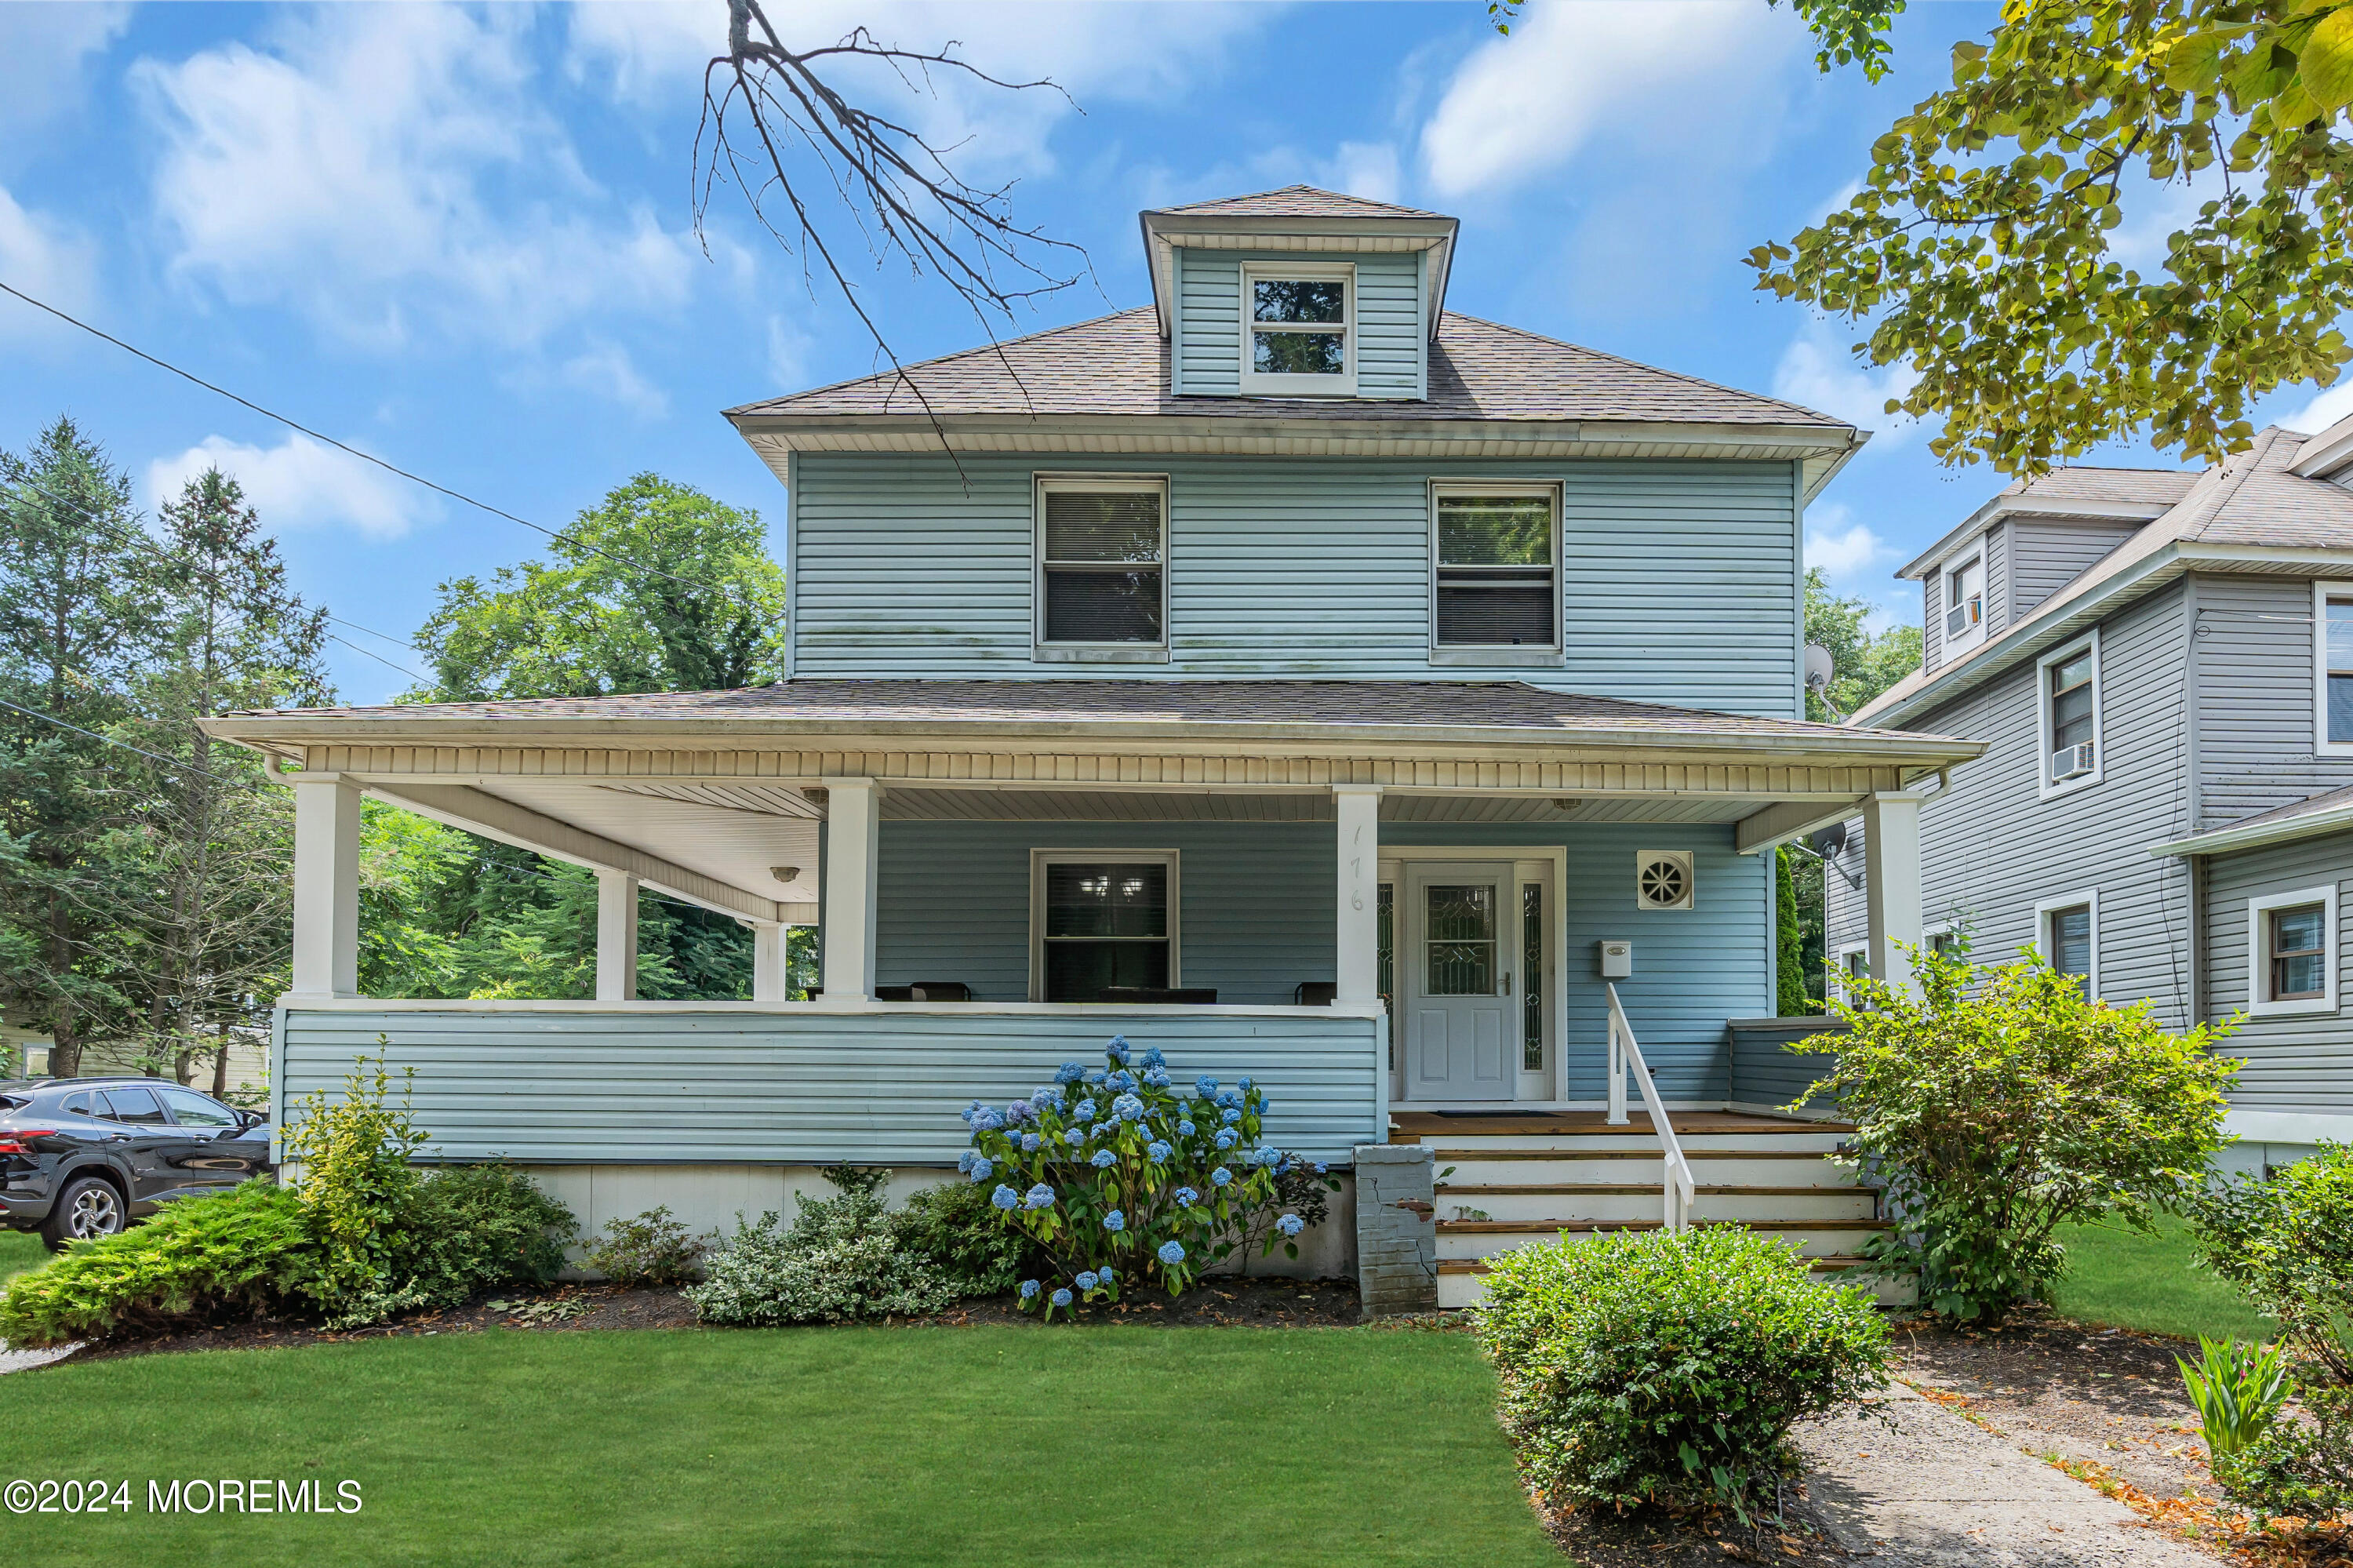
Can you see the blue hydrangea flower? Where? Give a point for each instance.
(1123, 1081)
(967, 1112)
(1156, 1077)
(1230, 1098)
(1048, 1097)
(1070, 1072)
(1171, 1253)
(1005, 1197)
(1207, 1085)
(1267, 1156)
(1019, 1113)
(1187, 1196)
(1084, 1281)
(1127, 1108)
(1084, 1110)
(1321, 1167)
(982, 1170)
(1029, 1142)
(1097, 1077)
(1244, 1085)
(1104, 1276)
(1153, 1058)
(1104, 1159)
(964, 1160)
(1291, 1224)
(1220, 1176)
(1118, 1050)
(1156, 1151)
(986, 1118)
(1184, 1130)
(1229, 1117)
(1116, 1221)
(1227, 1138)
(1029, 1288)
(1061, 1298)
(1038, 1197)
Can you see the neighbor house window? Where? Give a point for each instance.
(1102, 919)
(2335, 627)
(1965, 601)
(1298, 326)
(2070, 702)
(2070, 937)
(2292, 943)
(1848, 966)
(1103, 563)
(1497, 550)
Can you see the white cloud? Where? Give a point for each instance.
(1367, 169)
(387, 171)
(49, 261)
(1818, 372)
(2324, 410)
(607, 371)
(1521, 107)
(301, 484)
(1845, 550)
(42, 50)
(788, 354)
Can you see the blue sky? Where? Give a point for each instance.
(462, 239)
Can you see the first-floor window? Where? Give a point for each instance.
(2067, 941)
(1105, 922)
(2291, 942)
(1852, 965)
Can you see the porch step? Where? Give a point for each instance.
(1647, 1167)
(1467, 1239)
(1617, 1201)
(1463, 1282)
(1810, 1138)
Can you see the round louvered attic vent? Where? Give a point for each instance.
(1662, 879)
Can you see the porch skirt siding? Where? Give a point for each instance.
(799, 1088)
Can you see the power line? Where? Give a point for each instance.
(377, 657)
(351, 450)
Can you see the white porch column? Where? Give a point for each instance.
(1891, 849)
(1356, 929)
(326, 886)
(768, 960)
(616, 936)
(853, 818)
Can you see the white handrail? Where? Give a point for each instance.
(1624, 1054)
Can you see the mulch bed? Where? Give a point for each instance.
(1255, 1303)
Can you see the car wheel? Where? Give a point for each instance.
(88, 1208)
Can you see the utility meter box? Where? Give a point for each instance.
(1617, 957)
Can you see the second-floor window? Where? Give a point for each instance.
(1298, 328)
(1103, 564)
(2070, 702)
(2336, 666)
(1965, 602)
(1497, 550)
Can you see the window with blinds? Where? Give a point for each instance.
(1498, 571)
(1101, 562)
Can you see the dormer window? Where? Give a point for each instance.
(1299, 323)
(1965, 602)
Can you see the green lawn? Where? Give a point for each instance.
(2133, 1281)
(964, 1447)
(20, 1250)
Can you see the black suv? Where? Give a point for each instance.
(81, 1157)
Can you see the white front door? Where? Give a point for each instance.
(1458, 959)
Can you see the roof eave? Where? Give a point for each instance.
(2009, 504)
(1159, 249)
(1829, 438)
(2255, 835)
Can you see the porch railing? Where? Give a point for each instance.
(1625, 1053)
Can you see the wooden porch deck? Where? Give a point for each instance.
(1434, 1126)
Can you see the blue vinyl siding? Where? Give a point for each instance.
(1257, 917)
(1209, 346)
(735, 1084)
(1678, 580)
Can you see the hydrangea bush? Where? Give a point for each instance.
(1119, 1177)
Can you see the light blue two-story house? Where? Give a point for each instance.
(1290, 672)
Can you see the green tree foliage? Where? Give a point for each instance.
(2000, 1103)
(1981, 246)
(1790, 997)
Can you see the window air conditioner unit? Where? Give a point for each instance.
(2071, 762)
(1957, 621)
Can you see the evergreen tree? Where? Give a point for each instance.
(1791, 999)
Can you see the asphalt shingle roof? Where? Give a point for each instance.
(1118, 365)
(1298, 201)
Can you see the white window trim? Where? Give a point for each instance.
(1261, 384)
(1093, 652)
(1040, 859)
(1491, 653)
(2042, 943)
(1839, 956)
(1974, 555)
(2259, 956)
(2045, 787)
(2321, 594)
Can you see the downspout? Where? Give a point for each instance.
(2193, 868)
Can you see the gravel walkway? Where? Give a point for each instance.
(1919, 1486)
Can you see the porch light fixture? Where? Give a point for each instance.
(783, 873)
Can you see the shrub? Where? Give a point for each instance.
(472, 1228)
(954, 1228)
(653, 1249)
(841, 1259)
(1662, 1368)
(245, 1252)
(1115, 1176)
(2000, 1103)
(358, 1191)
(2287, 1245)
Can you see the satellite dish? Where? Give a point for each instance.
(1829, 842)
(1821, 668)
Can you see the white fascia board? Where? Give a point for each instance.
(2287, 830)
(2325, 453)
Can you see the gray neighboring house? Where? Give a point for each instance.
(2164, 804)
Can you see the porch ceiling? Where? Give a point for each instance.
(1155, 806)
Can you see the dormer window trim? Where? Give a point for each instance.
(1956, 605)
(1260, 383)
